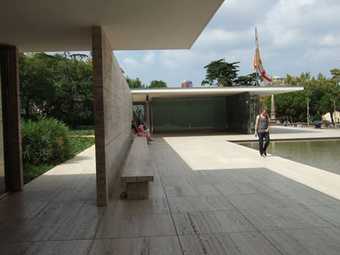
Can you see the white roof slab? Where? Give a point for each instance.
(139, 95)
(50, 25)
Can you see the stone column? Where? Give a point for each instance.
(147, 113)
(272, 110)
(11, 117)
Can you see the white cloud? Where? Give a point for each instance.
(296, 36)
(149, 58)
(330, 40)
(130, 62)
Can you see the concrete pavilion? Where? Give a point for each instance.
(100, 26)
(231, 109)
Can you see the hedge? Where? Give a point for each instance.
(45, 141)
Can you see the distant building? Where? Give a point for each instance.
(186, 84)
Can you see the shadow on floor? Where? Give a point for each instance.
(234, 211)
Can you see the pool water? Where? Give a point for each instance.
(324, 154)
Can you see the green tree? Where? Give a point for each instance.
(321, 94)
(290, 106)
(330, 99)
(37, 83)
(247, 80)
(135, 83)
(74, 102)
(56, 86)
(336, 75)
(221, 73)
(157, 84)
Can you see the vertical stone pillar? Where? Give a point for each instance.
(11, 117)
(98, 91)
(272, 110)
(113, 115)
(147, 113)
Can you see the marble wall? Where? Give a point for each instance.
(113, 115)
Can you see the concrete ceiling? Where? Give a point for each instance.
(139, 95)
(57, 25)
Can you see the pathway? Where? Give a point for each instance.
(290, 133)
(209, 197)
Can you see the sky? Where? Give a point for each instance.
(295, 36)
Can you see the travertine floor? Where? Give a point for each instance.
(291, 133)
(209, 197)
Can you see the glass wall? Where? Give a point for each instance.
(2, 165)
(188, 114)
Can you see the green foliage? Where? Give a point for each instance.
(45, 141)
(48, 142)
(56, 86)
(247, 80)
(33, 171)
(322, 95)
(221, 73)
(224, 74)
(81, 132)
(290, 106)
(335, 73)
(80, 143)
(157, 84)
(135, 83)
(138, 84)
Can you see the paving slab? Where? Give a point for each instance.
(137, 246)
(330, 213)
(284, 218)
(141, 225)
(222, 221)
(209, 196)
(290, 133)
(245, 243)
(201, 203)
(316, 241)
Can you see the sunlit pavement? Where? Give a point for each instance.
(209, 196)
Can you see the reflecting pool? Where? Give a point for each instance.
(324, 154)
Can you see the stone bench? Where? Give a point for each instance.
(137, 171)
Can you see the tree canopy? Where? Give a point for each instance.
(138, 84)
(247, 80)
(157, 84)
(224, 74)
(57, 86)
(321, 93)
(135, 83)
(221, 73)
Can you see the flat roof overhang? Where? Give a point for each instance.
(140, 95)
(63, 25)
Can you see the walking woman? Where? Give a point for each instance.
(262, 131)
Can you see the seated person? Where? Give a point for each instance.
(134, 127)
(143, 131)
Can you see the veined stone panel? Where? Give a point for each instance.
(113, 110)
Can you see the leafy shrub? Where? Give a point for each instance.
(45, 141)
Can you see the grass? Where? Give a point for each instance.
(33, 171)
(79, 141)
(78, 144)
(81, 132)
